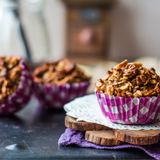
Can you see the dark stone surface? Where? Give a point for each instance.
(33, 134)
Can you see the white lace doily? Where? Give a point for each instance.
(86, 108)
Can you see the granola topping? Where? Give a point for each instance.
(10, 72)
(130, 80)
(59, 72)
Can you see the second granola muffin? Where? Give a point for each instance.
(129, 94)
(59, 82)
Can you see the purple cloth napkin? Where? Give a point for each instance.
(70, 137)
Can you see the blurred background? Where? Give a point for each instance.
(97, 34)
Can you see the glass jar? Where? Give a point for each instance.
(23, 29)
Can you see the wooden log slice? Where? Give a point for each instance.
(71, 122)
(142, 137)
(105, 138)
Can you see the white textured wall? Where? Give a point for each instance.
(135, 31)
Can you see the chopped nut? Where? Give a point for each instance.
(110, 90)
(136, 87)
(51, 69)
(152, 81)
(39, 71)
(7, 59)
(148, 93)
(147, 81)
(3, 90)
(121, 65)
(125, 86)
(3, 71)
(47, 75)
(129, 94)
(157, 88)
(123, 93)
(143, 88)
(98, 84)
(126, 78)
(137, 64)
(138, 93)
(105, 78)
(152, 70)
(130, 88)
(143, 78)
(155, 76)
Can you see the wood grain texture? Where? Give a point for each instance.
(71, 122)
(105, 138)
(142, 137)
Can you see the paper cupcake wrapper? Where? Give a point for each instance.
(55, 96)
(129, 110)
(22, 95)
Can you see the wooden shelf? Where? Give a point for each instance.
(87, 61)
(88, 2)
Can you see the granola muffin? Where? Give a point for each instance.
(15, 84)
(130, 94)
(59, 82)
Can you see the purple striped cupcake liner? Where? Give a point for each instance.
(55, 96)
(129, 110)
(22, 94)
